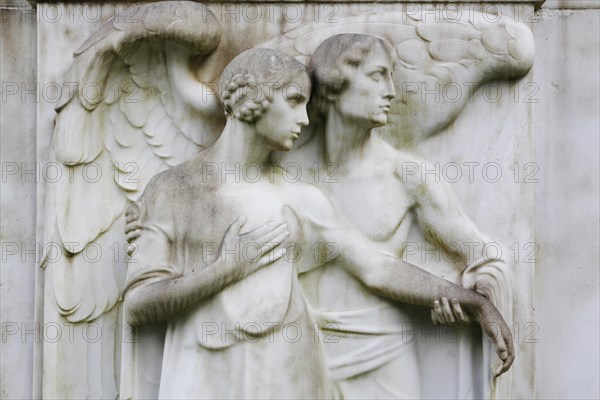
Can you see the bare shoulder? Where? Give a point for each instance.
(178, 179)
(168, 181)
(416, 175)
(401, 162)
(312, 205)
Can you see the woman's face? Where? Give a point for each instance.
(366, 99)
(282, 123)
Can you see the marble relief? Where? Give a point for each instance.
(324, 254)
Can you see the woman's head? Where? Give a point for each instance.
(248, 83)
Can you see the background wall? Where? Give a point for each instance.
(18, 111)
(566, 131)
(566, 134)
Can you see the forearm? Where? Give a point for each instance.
(163, 300)
(401, 281)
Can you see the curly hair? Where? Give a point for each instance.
(330, 66)
(247, 83)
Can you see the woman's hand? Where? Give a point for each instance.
(244, 253)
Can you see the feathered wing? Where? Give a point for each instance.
(442, 56)
(130, 108)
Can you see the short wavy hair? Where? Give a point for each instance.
(246, 84)
(330, 66)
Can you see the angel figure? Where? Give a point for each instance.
(353, 87)
(227, 313)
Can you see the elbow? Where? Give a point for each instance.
(134, 310)
(374, 280)
(385, 278)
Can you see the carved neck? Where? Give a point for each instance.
(239, 144)
(344, 140)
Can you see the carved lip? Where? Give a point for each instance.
(296, 135)
(386, 107)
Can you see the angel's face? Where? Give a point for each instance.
(282, 123)
(367, 98)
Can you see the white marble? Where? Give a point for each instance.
(566, 217)
(18, 198)
(571, 4)
(522, 128)
(499, 51)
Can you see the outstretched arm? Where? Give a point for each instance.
(156, 293)
(390, 276)
(404, 282)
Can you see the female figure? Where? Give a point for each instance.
(237, 322)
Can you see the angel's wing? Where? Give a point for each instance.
(131, 106)
(440, 62)
(136, 109)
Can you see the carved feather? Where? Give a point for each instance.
(431, 54)
(122, 125)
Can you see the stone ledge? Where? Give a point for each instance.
(572, 4)
(536, 3)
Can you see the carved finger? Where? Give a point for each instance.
(506, 351)
(271, 257)
(457, 311)
(437, 308)
(447, 311)
(273, 234)
(260, 230)
(132, 235)
(131, 249)
(502, 353)
(131, 214)
(274, 242)
(505, 366)
(236, 226)
(502, 339)
(434, 317)
(132, 225)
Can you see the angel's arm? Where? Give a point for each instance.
(399, 280)
(440, 216)
(156, 291)
(443, 221)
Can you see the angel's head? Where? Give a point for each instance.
(269, 90)
(353, 74)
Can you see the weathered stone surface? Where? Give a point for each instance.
(538, 131)
(566, 216)
(18, 203)
(571, 4)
